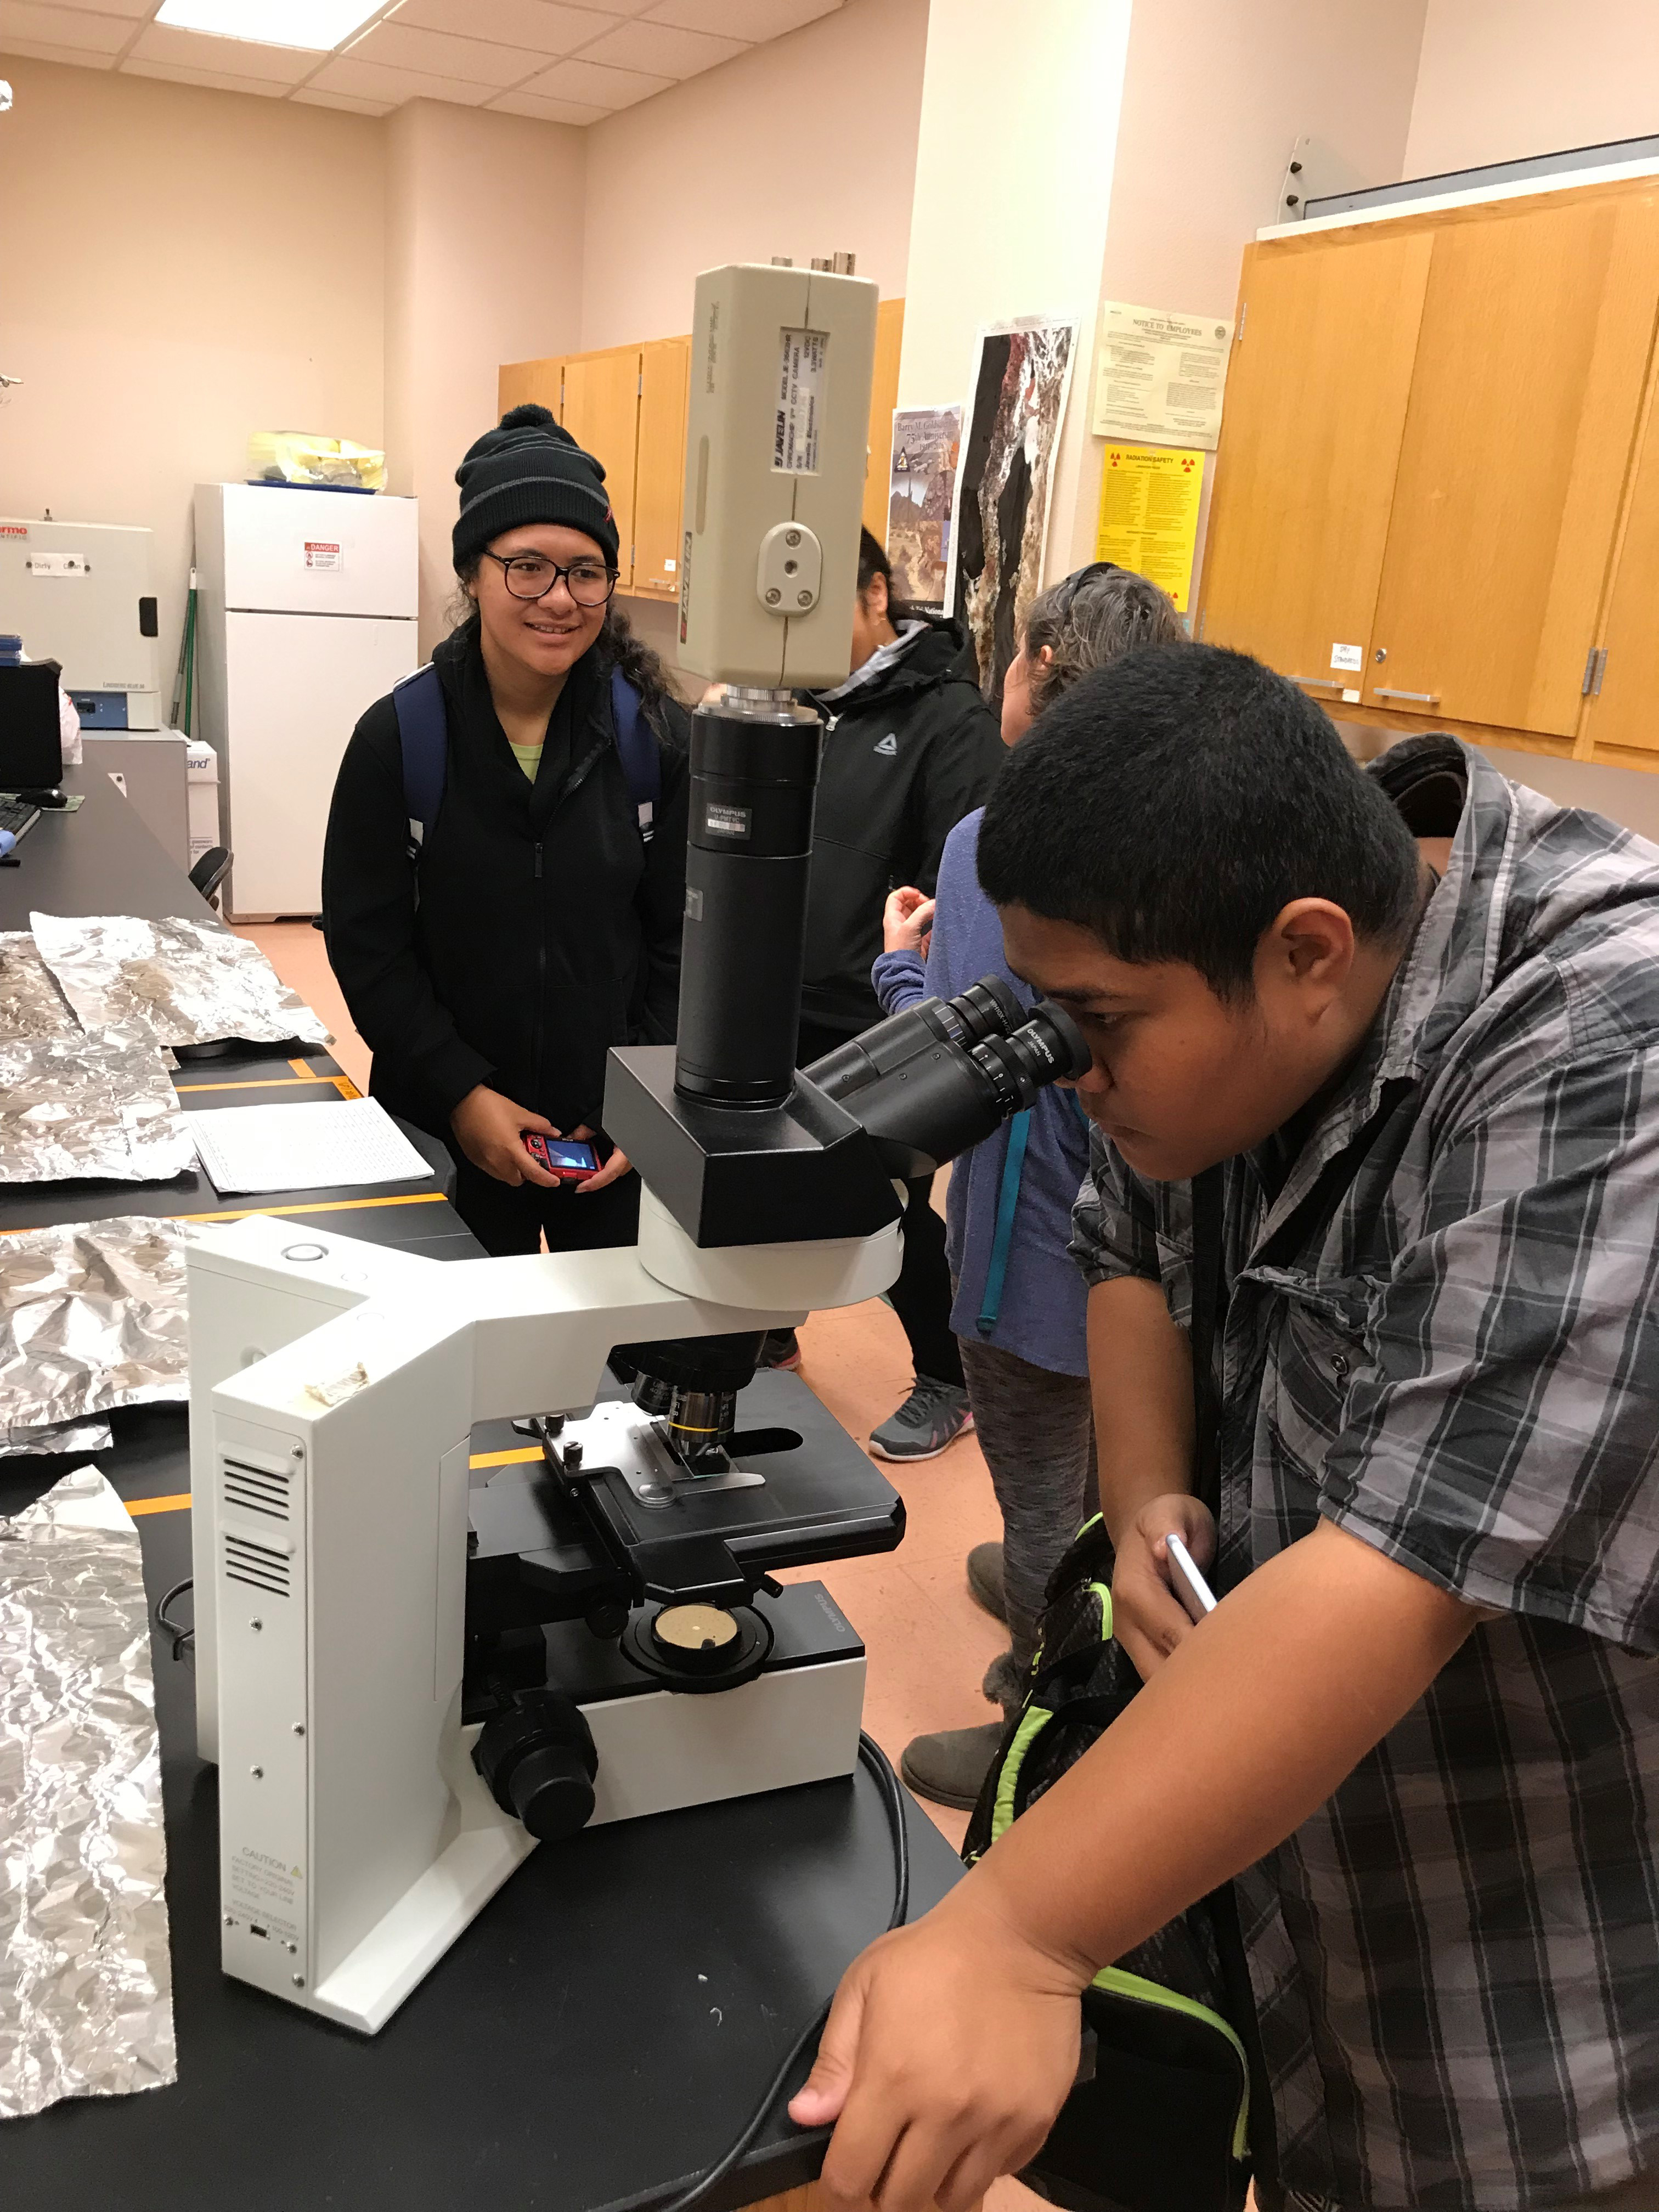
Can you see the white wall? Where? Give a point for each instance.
(1013, 184)
(465, 291)
(181, 267)
(803, 146)
(1504, 78)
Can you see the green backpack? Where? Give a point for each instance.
(1170, 2112)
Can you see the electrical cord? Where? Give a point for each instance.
(893, 1802)
(183, 1639)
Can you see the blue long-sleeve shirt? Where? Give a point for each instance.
(1041, 1314)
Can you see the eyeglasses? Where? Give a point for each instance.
(533, 577)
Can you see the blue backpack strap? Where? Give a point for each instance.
(423, 733)
(1013, 1168)
(637, 745)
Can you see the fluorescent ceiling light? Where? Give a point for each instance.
(318, 26)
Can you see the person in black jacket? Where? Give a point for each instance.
(910, 748)
(540, 924)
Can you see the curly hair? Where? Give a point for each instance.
(1094, 616)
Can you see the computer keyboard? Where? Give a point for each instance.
(18, 815)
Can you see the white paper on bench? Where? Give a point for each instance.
(316, 1148)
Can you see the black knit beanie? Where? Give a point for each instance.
(529, 470)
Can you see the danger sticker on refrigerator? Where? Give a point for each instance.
(800, 402)
(321, 553)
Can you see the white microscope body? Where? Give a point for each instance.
(331, 1478)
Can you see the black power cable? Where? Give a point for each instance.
(184, 1639)
(893, 1801)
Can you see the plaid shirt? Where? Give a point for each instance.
(1449, 1345)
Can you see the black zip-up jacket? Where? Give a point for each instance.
(905, 756)
(544, 931)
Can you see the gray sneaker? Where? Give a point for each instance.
(950, 1768)
(933, 1415)
(985, 1584)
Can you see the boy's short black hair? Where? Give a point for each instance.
(1174, 802)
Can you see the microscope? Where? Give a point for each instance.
(411, 1668)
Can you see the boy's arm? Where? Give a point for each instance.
(953, 2043)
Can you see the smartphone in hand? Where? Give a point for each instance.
(1189, 1586)
(560, 1156)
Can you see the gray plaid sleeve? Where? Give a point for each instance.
(1113, 1229)
(1504, 1439)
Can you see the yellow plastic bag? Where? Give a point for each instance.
(297, 456)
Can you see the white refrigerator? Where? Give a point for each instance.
(305, 616)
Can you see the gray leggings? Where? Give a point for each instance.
(1037, 1436)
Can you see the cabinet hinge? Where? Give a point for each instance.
(639, 385)
(1595, 667)
(1238, 334)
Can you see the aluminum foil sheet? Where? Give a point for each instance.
(86, 1981)
(31, 1004)
(25, 1443)
(73, 1108)
(173, 983)
(92, 1315)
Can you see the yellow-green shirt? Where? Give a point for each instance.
(529, 757)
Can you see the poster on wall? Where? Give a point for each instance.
(1149, 499)
(1017, 402)
(922, 493)
(1160, 376)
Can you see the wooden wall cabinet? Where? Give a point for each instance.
(1425, 466)
(626, 406)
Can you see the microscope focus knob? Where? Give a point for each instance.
(539, 1760)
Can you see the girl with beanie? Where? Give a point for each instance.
(536, 923)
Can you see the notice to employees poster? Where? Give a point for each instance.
(1149, 498)
(1159, 375)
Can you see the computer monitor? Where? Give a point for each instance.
(30, 736)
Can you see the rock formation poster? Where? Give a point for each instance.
(922, 493)
(1016, 402)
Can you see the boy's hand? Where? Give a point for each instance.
(615, 1168)
(1148, 1618)
(906, 921)
(490, 1129)
(951, 2046)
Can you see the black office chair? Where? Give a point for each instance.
(210, 872)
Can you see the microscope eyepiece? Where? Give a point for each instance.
(929, 1082)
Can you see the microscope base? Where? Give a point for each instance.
(659, 1751)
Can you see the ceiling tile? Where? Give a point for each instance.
(133, 10)
(41, 50)
(235, 57)
(594, 87)
(661, 49)
(215, 80)
(545, 111)
(375, 81)
(544, 26)
(62, 26)
(440, 54)
(741, 19)
(342, 100)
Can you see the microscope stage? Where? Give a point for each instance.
(547, 1546)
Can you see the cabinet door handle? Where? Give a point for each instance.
(1325, 682)
(1421, 698)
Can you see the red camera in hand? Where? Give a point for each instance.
(562, 1156)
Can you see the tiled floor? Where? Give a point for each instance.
(928, 1643)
